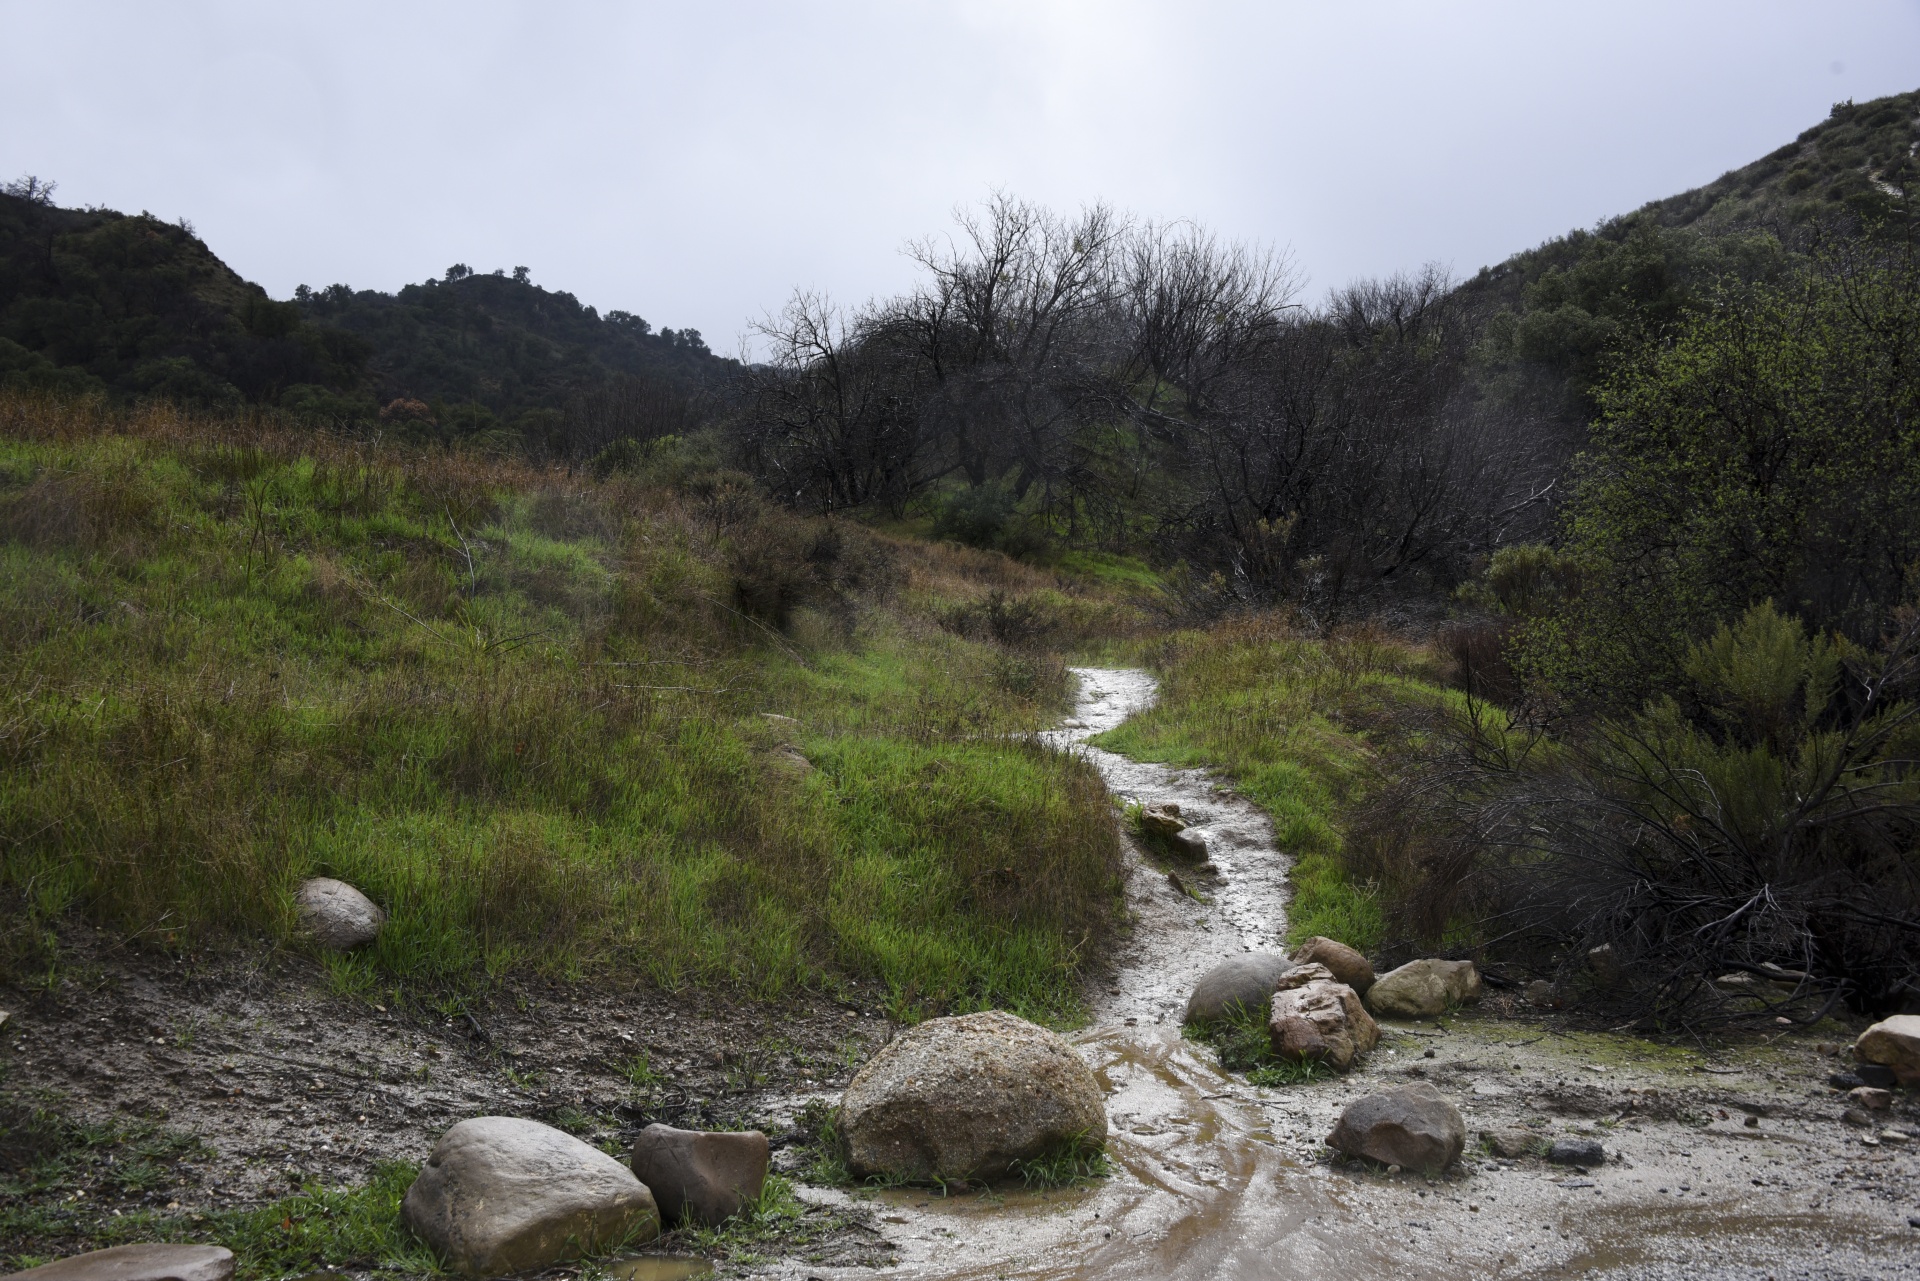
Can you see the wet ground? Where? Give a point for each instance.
(1729, 1161)
(1218, 1179)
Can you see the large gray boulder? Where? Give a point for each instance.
(703, 1175)
(1314, 1019)
(1242, 982)
(1410, 1126)
(1422, 989)
(966, 1097)
(337, 916)
(1346, 964)
(1894, 1043)
(152, 1262)
(503, 1194)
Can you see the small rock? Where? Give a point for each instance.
(503, 1194)
(1845, 1081)
(336, 915)
(1315, 1019)
(968, 1096)
(1856, 1117)
(1873, 1100)
(1894, 1136)
(1343, 962)
(777, 719)
(1540, 992)
(1421, 989)
(1514, 1142)
(1877, 1075)
(790, 758)
(146, 1262)
(1411, 1126)
(1241, 983)
(1893, 1043)
(1161, 820)
(1191, 843)
(1586, 1153)
(703, 1175)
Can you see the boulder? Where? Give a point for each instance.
(1244, 982)
(1344, 963)
(1315, 1019)
(1161, 820)
(503, 1194)
(1893, 1043)
(1410, 1126)
(337, 916)
(1513, 1142)
(1541, 993)
(1582, 1152)
(1422, 989)
(966, 1097)
(791, 759)
(705, 1176)
(150, 1262)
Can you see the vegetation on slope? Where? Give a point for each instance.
(525, 711)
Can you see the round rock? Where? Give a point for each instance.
(966, 1097)
(702, 1175)
(1410, 1126)
(1243, 982)
(337, 916)
(1422, 989)
(150, 1262)
(503, 1194)
(1893, 1043)
(1343, 962)
(1317, 1020)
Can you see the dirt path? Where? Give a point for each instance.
(1218, 1179)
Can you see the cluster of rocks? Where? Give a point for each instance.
(1163, 824)
(1320, 1003)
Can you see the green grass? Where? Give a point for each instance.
(524, 712)
(1071, 1164)
(1242, 1044)
(1304, 728)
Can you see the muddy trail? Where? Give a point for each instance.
(1731, 1164)
(205, 1086)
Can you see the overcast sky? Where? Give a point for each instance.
(693, 162)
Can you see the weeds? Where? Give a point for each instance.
(522, 712)
(1077, 1161)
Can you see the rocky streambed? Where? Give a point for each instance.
(1724, 1162)
(212, 1086)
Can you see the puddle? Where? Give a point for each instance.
(659, 1267)
(1214, 1178)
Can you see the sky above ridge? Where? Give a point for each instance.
(696, 162)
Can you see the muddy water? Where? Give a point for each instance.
(1217, 1179)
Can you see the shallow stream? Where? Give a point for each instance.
(1214, 1178)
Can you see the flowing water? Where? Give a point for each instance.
(1214, 1178)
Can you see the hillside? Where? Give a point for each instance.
(133, 307)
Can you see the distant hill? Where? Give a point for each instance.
(92, 300)
(1556, 311)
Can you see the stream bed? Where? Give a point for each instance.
(1214, 1178)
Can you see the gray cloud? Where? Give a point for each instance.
(695, 162)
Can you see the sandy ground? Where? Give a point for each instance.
(1726, 1161)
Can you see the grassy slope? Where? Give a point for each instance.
(524, 712)
(1304, 728)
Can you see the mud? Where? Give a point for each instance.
(1218, 1179)
(286, 1083)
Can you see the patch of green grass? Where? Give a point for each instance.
(524, 713)
(1242, 1043)
(1078, 1161)
(1304, 728)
